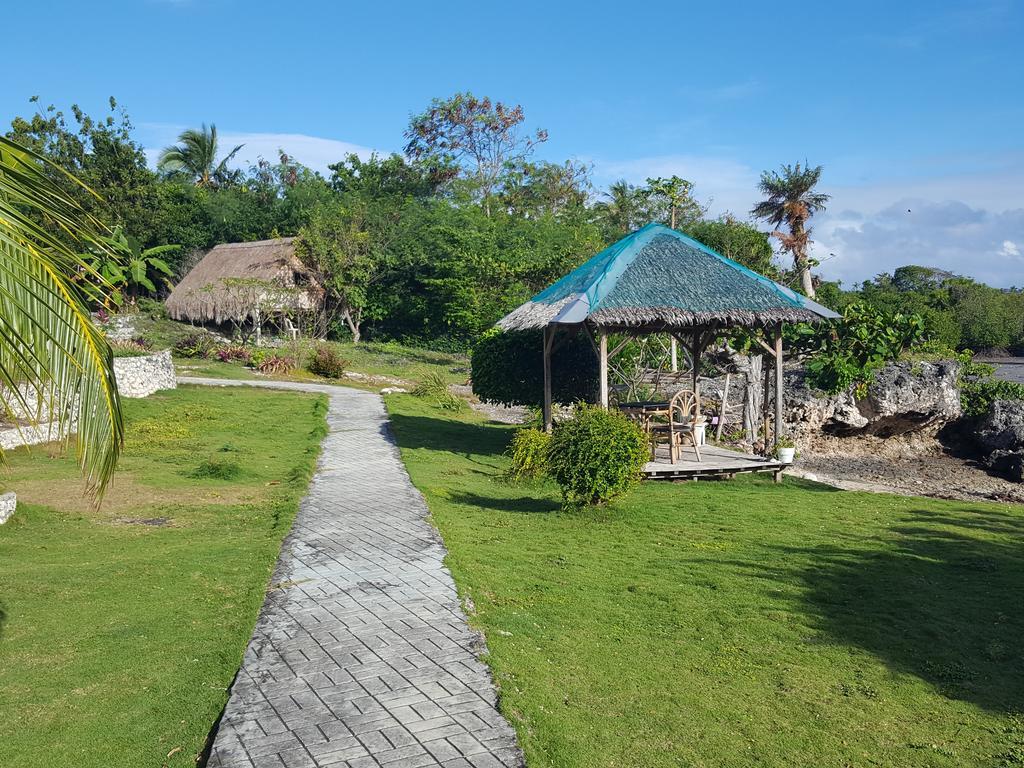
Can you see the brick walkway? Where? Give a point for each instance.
(361, 655)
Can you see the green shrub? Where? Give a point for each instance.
(848, 351)
(508, 368)
(529, 454)
(201, 345)
(325, 361)
(436, 388)
(596, 455)
(154, 308)
(216, 469)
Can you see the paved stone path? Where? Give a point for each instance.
(361, 655)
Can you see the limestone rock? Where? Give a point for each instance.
(903, 398)
(142, 376)
(1002, 429)
(8, 503)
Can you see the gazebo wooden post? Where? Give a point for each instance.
(778, 392)
(674, 353)
(695, 351)
(602, 353)
(549, 335)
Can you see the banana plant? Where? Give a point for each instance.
(126, 268)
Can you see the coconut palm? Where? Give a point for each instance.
(622, 210)
(195, 156)
(54, 362)
(790, 199)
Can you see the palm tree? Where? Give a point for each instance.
(53, 359)
(622, 209)
(195, 156)
(790, 198)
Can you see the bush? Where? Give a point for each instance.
(325, 361)
(217, 469)
(848, 352)
(596, 455)
(130, 347)
(434, 386)
(508, 368)
(275, 364)
(154, 308)
(201, 345)
(234, 353)
(529, 454)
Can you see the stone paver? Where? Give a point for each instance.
(361, 655)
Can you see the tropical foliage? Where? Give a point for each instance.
(53, 360)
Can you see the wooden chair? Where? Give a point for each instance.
(682, 416)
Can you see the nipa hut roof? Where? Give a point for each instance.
(658, 278)
(203, 295)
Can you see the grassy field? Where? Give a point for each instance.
(732, 623)
(391, 360)
(121, 629)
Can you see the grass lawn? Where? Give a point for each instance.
(732, 623)
(121, 629)
(389, 359)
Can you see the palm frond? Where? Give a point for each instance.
(54, 362)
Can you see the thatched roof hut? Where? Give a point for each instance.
(223, 285)
(658, 279)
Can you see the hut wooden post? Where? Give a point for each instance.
(778, 392)
(695, 351)
(602, 346)
(674, 353)
(549, 335)
(721, 412)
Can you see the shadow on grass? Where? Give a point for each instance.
(440, 434)
(521, 504)
(3, 619)
(942, 602)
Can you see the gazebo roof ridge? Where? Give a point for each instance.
(657, 276)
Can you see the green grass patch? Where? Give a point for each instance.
(731, 623)
(121, 629)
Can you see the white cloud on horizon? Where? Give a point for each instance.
(970, 224)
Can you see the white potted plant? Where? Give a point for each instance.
(785, 449)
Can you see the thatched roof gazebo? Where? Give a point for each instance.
(239, 282)
(658, 280)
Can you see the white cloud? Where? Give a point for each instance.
(971, 224)
(313, 151)
(727, 184)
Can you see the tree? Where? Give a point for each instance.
(117, 186)
(790, 199)
(473, 135)
(51, 351)
(531, 189)
(624, 209)
(346, 248)
(195, 157)
(673, 201)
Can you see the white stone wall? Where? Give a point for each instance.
(142, 376)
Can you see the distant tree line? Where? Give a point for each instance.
(435, 244)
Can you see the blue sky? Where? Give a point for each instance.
(916, 109)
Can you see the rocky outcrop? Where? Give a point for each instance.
(1000, 437)
(903, 398)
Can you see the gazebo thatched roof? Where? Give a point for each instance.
(658, 278)
(206, 294)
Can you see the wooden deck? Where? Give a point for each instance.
(715, 461)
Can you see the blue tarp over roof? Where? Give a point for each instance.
(660, 277)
